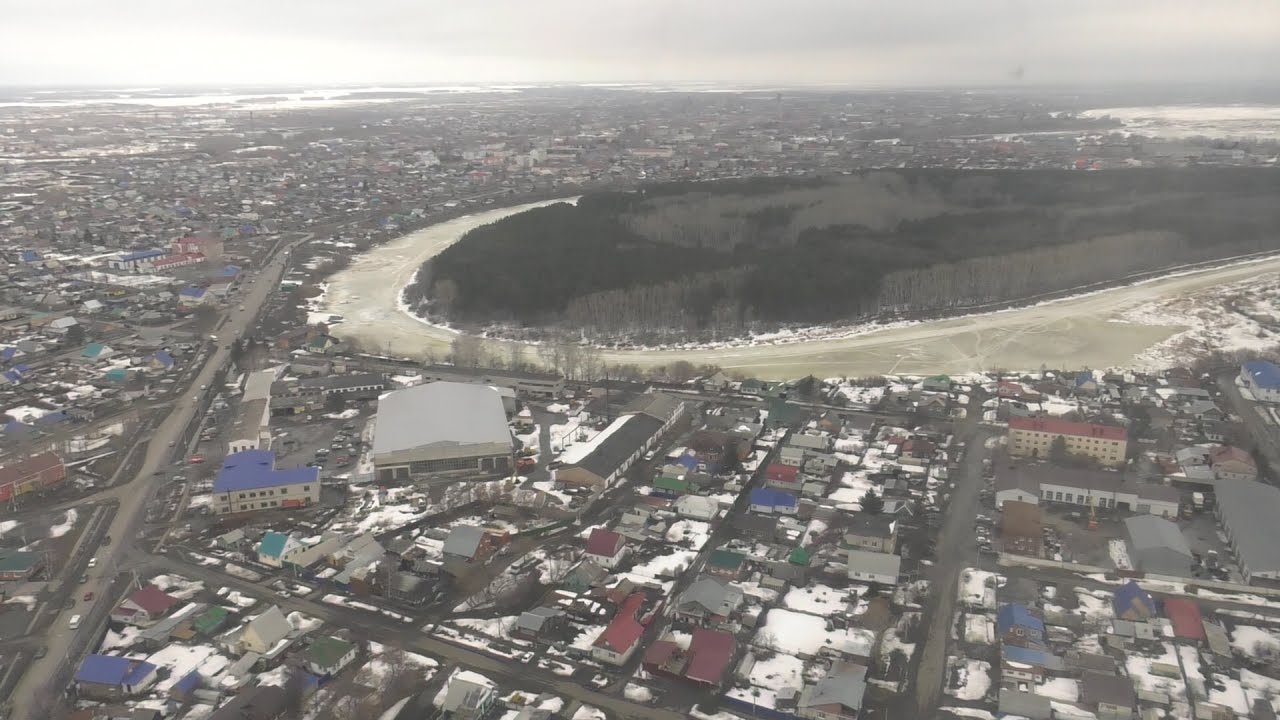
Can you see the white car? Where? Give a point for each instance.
(74, 623)
(93, 562)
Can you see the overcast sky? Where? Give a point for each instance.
(846, 42)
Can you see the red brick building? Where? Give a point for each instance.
(30, 474)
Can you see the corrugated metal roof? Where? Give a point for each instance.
(1250, 508)
(440, 413)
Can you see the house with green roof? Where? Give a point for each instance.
(210, 621)
(672, 487)
(277, 549)
(937, 383)
(725, 563)
(327, 656)
(96, 351)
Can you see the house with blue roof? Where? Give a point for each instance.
(1263, 380)
(140, 261)
(107, 677)
(771, 500)
(193, 296)
(229, 271)
(1131, 602)
(161, 360)
(11, 376)
(688, 461)
(1027, 665)
(1018, 625)
(9, 353)
(29, 256)
(249, 481)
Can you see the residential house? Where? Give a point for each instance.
(1111, 696)
(708, 601)
(266, 631)
(278, 549)
(1263, 380)
(539, 623)
(1020, 626)
(876, 533)
(144, 606)
(1131, 602)
(874, 567)
(469, 696)
(725, 564)
(698, 507)
(109, 677)
(769, 500)
(605, 547)
(705, 663)
(622, 635)
(837, 696)
(1232, 463)
(327, 656)
(583, 576)
(463, 544)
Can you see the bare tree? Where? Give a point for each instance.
(570, 358)
(592, 362)
(551, 354)
(516, 356)
(466, 351)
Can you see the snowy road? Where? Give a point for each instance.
(1074, 332)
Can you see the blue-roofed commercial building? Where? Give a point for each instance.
(107, 677)
(1263, 380)
(139, 262)
(250, 481)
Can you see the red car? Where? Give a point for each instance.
(197, 459)
(88, 596)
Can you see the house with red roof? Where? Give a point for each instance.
(145, 606)
(1035, 437)
(783, 477)
(1184, 615)
(622, 636)
(606, 547)
(1232, 463)
(704, 662)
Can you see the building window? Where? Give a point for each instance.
(1069, 498)
(241, 496)
(1058, 497)
(306, 488)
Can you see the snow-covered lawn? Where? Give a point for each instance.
(499, 627)
(377, 668)
(978, 629)
(1140, 669)
(978, 588)
(667, 565)
(692, 534)
(637, 693)
(178, 587)
(1064, 689)
(817, 600)
(804, 635)
(64, 527)
(1255, 642)
(971, 679)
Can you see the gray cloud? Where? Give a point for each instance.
(853, 42)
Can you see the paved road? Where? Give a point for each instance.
(1266, 438)
(382, 629)
(134, 496)
(955, 551)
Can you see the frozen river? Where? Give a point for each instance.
(1081, 331)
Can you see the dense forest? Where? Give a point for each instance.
(710, 260)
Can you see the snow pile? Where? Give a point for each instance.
(65, 526)
(972, 679)
(1119, 554)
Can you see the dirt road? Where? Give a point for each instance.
(1073, 332)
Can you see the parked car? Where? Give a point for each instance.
(88, 597)
(74, 623)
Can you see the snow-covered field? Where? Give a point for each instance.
(1073, 332)
(817, 600)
